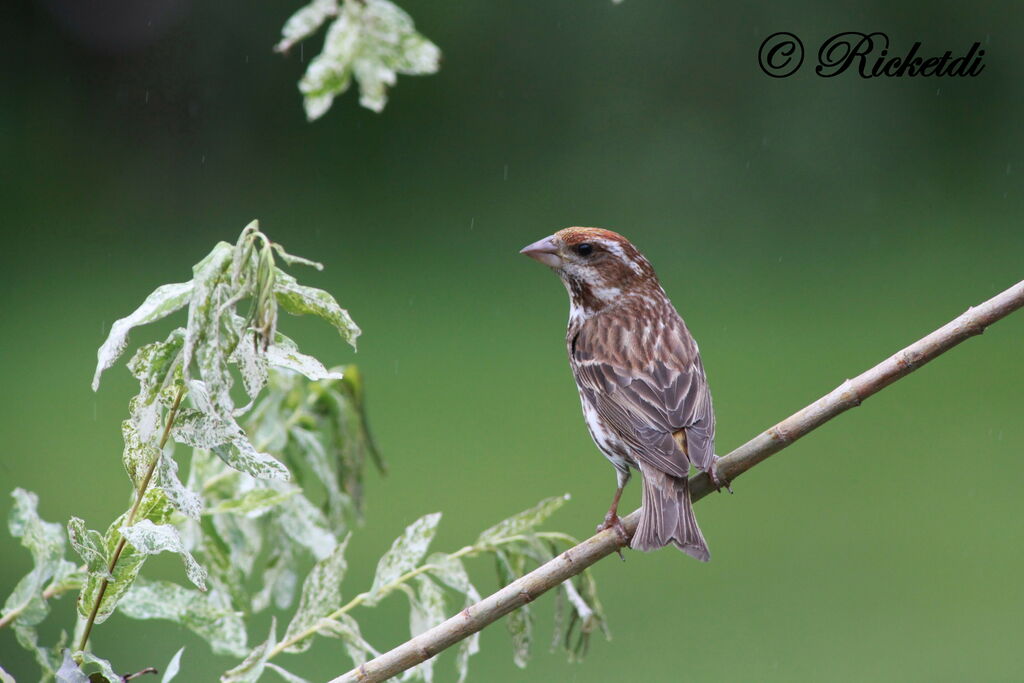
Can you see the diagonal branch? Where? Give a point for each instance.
(573, 561)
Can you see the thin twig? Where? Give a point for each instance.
(139, 495)
(574, 560)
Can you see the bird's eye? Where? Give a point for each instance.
(585, 249)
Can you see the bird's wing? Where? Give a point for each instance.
(652, 402)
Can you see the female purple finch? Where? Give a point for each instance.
(642, 385)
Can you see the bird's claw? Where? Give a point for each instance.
(612, 521)
(718, 482)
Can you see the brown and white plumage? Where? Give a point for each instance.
(642, 385)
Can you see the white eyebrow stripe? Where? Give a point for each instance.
(616, 248)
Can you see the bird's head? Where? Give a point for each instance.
(597, 266)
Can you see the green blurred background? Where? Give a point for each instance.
(805, 228)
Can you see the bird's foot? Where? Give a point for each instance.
(717, 481)
(612, 521)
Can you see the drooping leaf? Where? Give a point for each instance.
(254, 502)
(172, 668)
(451, 572)
(153, 363)
(278, 583)
(373, 41)
(209, 615)
(103, 667)
(221, 434)
(252, 366)
(321, 595)
(347, 629)
(138, 452)
(304, 523)
(285, 674)
(150, 539)
(184, 499)
(520, 621)
(45, 541)
(524, 521)
(90, 547)
(69, 671)
(251, 668)
(203, 310)
(48, 661)
(305, 22)
(6, 677)
(293, 359)
(164, 300)
(404, 555)
(426, 610)
(302, 300)
(292, 259)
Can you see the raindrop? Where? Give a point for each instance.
(506, 172)
(1009, 167)
(472, 223)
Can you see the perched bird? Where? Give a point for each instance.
(641, 381)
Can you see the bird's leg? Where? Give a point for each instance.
(612, 521)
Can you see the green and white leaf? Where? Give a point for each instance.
(45, 542)
(251, 668)
(220, 433)
(372, 41)
(209, 615)
(150, 539)
(6, 677)
(285, 674)
(90, 547)
(278, 583)
(203, 310)
(69, 671)
(304, 523)
(252, 365)
(347, 629)
(153, 363)
(302, 300)
(164, 300)
(48, 660)
(255, 502)
(451, 572)
(103, 667)
(292, 259)
(522, 522)
(520, 621)
(321, 595)
(426, 610)
(305, 22)
(293, 359)
(404, 555)
(184, 499)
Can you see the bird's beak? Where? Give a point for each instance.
(545, 251)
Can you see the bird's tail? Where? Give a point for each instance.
(667, 516)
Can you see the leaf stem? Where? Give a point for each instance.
(139, 495)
